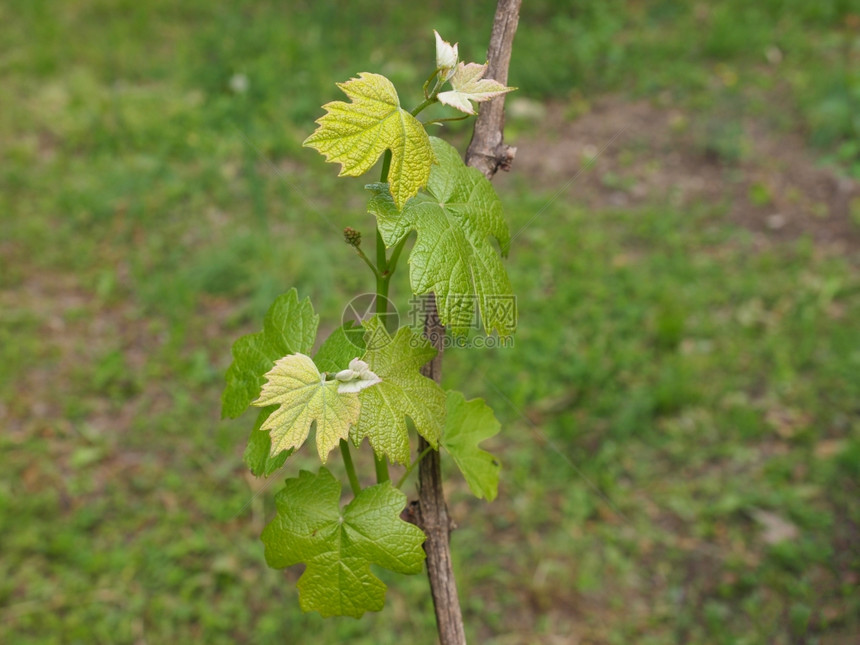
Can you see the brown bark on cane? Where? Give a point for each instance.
(487, 152)
(432, 510)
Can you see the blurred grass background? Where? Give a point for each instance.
(681, 442)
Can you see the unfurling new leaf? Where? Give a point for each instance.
(355, 135)
(470, 85)
(338, 545)
(446, 57)
(357, 377)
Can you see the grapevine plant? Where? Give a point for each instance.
(365, 380)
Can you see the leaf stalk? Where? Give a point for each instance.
(411, 466)
(350, 467)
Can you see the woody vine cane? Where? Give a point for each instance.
(488, 153)
(366, 382)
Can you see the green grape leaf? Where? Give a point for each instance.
(466, 425)
(403, 392)
(304, 397)
(453, 255)
(289, 327)
(338, 546)
(343, 344)
(470, 85)
(355, 135)
(258, 453)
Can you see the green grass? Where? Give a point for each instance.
(674, 386)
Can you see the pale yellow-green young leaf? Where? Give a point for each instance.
(355, 134)
(303, 397)
(470, 85)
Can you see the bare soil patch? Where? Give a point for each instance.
(647, 154)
